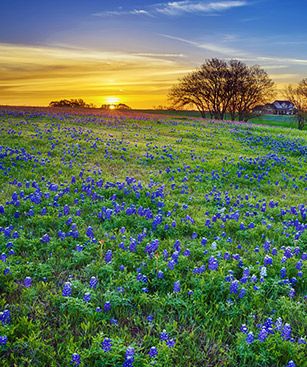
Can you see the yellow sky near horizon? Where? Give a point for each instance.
(36, 75)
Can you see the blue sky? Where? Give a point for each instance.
(178, 34)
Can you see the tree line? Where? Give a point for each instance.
(231, 89)
(80, 103)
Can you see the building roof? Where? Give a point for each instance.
(283, 105)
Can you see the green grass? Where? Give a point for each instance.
(165, 178)
(269, 120)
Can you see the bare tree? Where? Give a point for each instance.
(251, 86)
(189, 92)
(219, 87)
(298, 96)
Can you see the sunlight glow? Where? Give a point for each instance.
(112, 100)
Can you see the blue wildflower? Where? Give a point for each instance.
(3, 339)
(107, 306)
(106, 345)
(108, 256)
(27, 282)
(164, 335)
(263, 334)
(93, 282)
(153, 352)
(177, 286)
(250, 338)
(75, 359)
(87, 297)
(66, 292)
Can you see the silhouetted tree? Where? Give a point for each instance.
(251, 86)
(219, 87)
(105, 106)
(119, 106)
(79, 103)
(298, 96)
(122, 106)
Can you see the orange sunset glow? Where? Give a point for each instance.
(134, 52)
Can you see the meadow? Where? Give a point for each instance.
(131, 239)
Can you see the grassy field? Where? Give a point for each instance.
(270, 120)
(135, 240)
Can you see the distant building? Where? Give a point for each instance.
(276, 108)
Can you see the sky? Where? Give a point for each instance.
(133, 51)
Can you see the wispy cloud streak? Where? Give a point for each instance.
(208, 46)
(177, 8)
(182, 7)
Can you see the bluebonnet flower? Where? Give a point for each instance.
(234, 287)
(27, 282)
(66, 292)
(299, 265)
(3, 339)
(171, 343)
(153, 352)
(75, 359)
(263, 271)
(5, 317)
(106, 345)
(107, 306)
(283, 272)
(164, 335)
(213, 263)
(268, 323)
(93, 282)
(263, 334)
(129, 357)
(278, 324)
(87, 297)
(171, 264)
(90, 232)
(3, 257)
(244, 329)
(250, 338)
(150, 318)
(242, 292)
(108, 256)
(45, 238)
(113, 321)
(177, 286)
(291, 364)
(286, 332)
(268, 260)
(186, 252)
(292, 293)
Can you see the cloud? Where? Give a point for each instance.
(122, 12)
(182, 7)
(176, 8)
(159, 55)
(213, 47)
(34, 75)
(288, 60)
